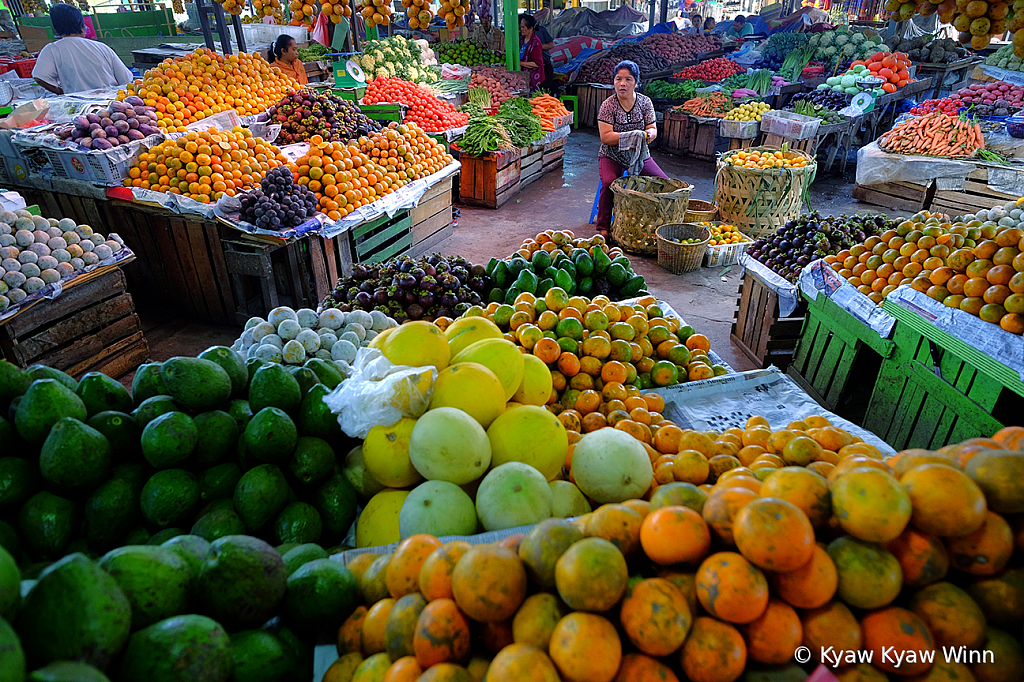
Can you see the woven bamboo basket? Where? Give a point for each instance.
(699, 211)
(642, 205)
(679, 258)
(759, 201)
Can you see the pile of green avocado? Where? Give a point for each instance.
(585, 273)
(175, 532)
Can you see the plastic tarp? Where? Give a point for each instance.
(875, 166)
(570, 53)
(623, 21)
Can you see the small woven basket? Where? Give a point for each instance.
(643, 203)
(699, 211)
(679, 258)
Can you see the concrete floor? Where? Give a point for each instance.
(706, 299)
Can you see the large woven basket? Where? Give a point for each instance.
(759, 201)
(643, 204)
(679, 258)
(699, 211)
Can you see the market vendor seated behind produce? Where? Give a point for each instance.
(629, 112)
(491, 37)
(74, 63)
(284, 55)
(740, 28)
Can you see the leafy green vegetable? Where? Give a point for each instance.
(666, 90)
(523, 126)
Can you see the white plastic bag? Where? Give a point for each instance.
(379, 393)
(451, 71)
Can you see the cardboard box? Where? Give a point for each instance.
(35, 38)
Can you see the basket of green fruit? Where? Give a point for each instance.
(681, 246)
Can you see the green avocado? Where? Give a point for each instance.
(9, 539)
(195, 384)
(12, 657)
(563, 279)
(242, 582)
(501, 275)
(111, 512)
(517, 265)
(584, 263)
(585, 285)
(300, 555)
(217, 483)
(10, 585)
(136, 536)
(46, 402)
(160, 537)
(121, 431)
(37, 372)
(616, 275)
(541, 259)
(251, 365)
(271, 435)
(601, 260)
(168, 440)
(68, 671)
(217, 524)
(327, 374)
(543, 286)
(232, 363)
(189, 648)
(315, 418)
(511, 294)
(306, 377)
(300, 651)
(151, 408)
(13, 382)
(496, 296)
(526, 281)
(336, 501)
(298, 522)
(312, 461)
(191, 549)
(101, 393)
(76, 611)
(19, 480)
(321, 594)
(273, 386)
(169, 497)
(154, 579)
(241, 412)
(48, 523)
(218, 436)
(259, 657)
(260, 495)
(147, 383)
(75, 457)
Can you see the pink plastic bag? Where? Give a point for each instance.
(90, 32)
(319, 33)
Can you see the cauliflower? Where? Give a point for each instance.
(830, 52)
(383, 72)
(826, 38)
(814, 39)
(842, 39)
(368, 63)
(857, 38)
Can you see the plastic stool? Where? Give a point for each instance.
(575, 101)
(593, 211)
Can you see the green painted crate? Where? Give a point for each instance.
(383, 238)
(382, 112)
(935, 389)
(834, 353)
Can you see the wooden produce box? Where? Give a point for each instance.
(898, 196)
(490, 180)
(675, 133)
(531, 164)
(704, 140)
(590, 98)
(432, 218)
(90, 327)
(976, 193)
(759, 331)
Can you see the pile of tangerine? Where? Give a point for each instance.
(205, 165)
(722, 233)
(756, 159)
(196, 86)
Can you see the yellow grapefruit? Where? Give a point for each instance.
(417, 344)
(535, 388)
(472, 388)
(501, 357)
(378, 341)
(531, 435)
(449, 445)
(378, 524)
(466, 331)
(386, 454)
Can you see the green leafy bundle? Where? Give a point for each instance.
(523, 126)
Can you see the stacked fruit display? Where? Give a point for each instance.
(812, 236)
(192, 87)
(375, 12)
(268, 8)
(205, 166)
(560, 259)
(975, 264)
(336, 11)
(466, 52)
(750, 111)
(279, 203)
(453, 12)
(333, 335)
(305, 114)
(122, 123)
(37, 251)
(418, 13)
(231, 6)
(764, 159)
(303, 12)
(408, 289)
(430, 113)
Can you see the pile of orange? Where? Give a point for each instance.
(376, 12)
(566, 242)
(976, 267)
(267, 8)
(418, 12)
(198, 85)
(232, 6)
(303, 12)
(337, 10)
(917, 554)
(205, 166)
(722, 233)
(345, 176)
(763, 160)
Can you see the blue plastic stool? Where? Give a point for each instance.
(593, 211)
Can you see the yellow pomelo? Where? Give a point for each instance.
(466, 331)
(386, 454)
(531, 435)
(611, 466)
(378, 524)
(472, 388)
(501, 357)
(378, 341)
(535, 388)
(449, 445)
(511, 405)
(567, 501)
(417, 344)
(357, 474)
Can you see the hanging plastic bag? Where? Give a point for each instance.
(319, 33)
(379, 393)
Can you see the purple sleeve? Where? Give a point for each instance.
(534, 52)
(648, 110)
(606, 113)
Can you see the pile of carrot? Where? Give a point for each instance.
(548, 108)
(934, 134)
(713, 105)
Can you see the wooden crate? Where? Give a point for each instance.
(531, 164)
(590, 98)
(90, 327)
(489, 180)
(931, 392)
(742, 143)
(975, 196)
(704, 141)
(432, 218)
(834, 354)
(675, 135)
(758, 330)
(381, 239)
(898, 196)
